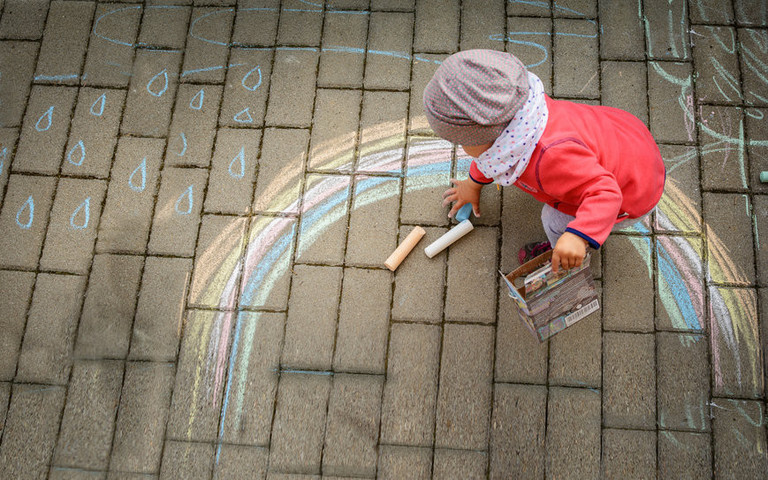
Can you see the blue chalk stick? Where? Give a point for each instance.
(464, 212)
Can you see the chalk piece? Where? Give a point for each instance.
(404, 248)
(448, 238)
(764, 176)
(464, 212)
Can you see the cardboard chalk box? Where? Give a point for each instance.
(547, 302)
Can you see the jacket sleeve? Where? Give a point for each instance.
(477, 176)
(571, 173)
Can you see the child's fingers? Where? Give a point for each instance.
(450, 191)
(476, 209)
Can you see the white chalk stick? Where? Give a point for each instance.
(450, 236)
(404, 248)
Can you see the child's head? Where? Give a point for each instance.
(474, 95)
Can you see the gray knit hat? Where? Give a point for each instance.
(474, 94)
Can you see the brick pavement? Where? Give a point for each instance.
(197, 197)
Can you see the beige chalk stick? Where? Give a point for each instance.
(404, 248)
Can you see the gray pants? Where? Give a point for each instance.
(555, 222)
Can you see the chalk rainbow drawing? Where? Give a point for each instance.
(245, 279)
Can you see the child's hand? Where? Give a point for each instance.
(569, 252)
(465, 191)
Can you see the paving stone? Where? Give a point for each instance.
(342, 59)
(382, 121)
(575, 9)
(89, 416)
(244, 103)
(406, 463)
(739, 438)
(177, 212)
(30, 430)
(152, 89)
(351, 5)
(624, 85)
(323, 230)
(164, 26)
(670, 102)
(197, 393)
(130, 476)
(466, 377)
(311, 322)
(736, 364)
(680, 208)
(297, 434)
(419, 282)
(23, 19)
(44, 134)
(628, 286)
(46, 353)
(575, 353)
(424, 66)
(194, 126)
(8, 138)
(15, 296)
(290, 476)
(437, 26)
(682, 384)
(473, 261)
(142, 416)
(520, 358)
(428, 174)
(278, 185)
(300, 24)
(518, 431)
(393, 5)
(334, 133)
(72, 229)
(748, 13)
(218, 262)
(629, 380)
(752, 55)
(17, 62)
(680, 284)
(410, 393)
(375, 206)
(622, 36)
(24, 220)
(361, 341)
(207, 47)
(109, 58)
(93, 133)
(254, 363)
(267, 272)
(387, 65)
(353, 425)
(110, 303)
(65, 39)
(187, 460)
(482, 25)
(760, 216)
(162, 296)
(666, 30)
(711, 12)
(64, 473)
(575, 56)
(240, 462)
(629, 454)
(256, 24)
(460, 463)
(731, 252)
(530, 40)
(724, 167)
(573, 433)
(233, 172)
(757, 147)
(764, 328)
(292, 88)
(716, 66)
(127, 217)
(5, 395)
(684, 454)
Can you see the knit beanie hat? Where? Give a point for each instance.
(474, 94)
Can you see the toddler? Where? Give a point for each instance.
(595, 168)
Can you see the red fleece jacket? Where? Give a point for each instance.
(599, 164)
